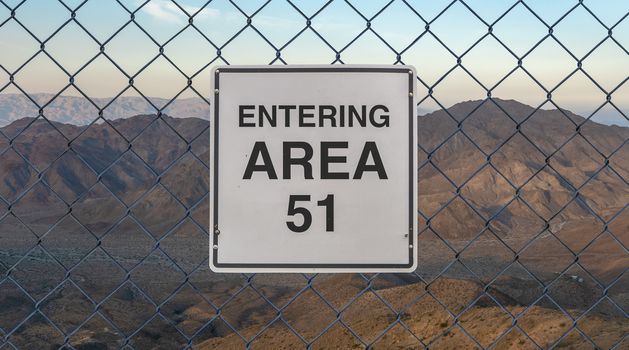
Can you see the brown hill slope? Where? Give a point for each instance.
(517, 160)
(423, 320)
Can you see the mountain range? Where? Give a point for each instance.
(449, 159)
(78, 110)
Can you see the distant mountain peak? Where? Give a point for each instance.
(78, 110)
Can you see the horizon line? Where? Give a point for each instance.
(425, 112)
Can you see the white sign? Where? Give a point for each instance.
(313, 169)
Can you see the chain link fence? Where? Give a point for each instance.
(103, 226)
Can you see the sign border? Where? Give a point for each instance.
(311, 267)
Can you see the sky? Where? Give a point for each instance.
(397, 29)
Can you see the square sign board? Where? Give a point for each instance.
(313, 169)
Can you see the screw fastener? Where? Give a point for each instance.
(410, 94)
(216, 92)
(215, 247)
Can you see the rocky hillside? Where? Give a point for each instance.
(518, 161)
(423, 320)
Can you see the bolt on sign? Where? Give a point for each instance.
(313, 169)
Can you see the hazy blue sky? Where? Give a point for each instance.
(339, 24)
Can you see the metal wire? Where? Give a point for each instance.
(250, 283)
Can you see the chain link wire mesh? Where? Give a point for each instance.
(103, 293)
